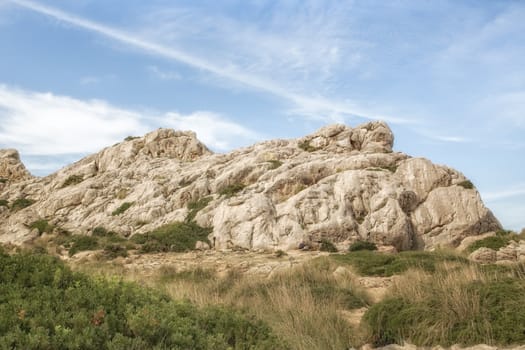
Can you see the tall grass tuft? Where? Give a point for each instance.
(457, 304)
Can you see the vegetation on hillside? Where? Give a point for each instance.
(464, 305)
(21, 203)
(195, 206)
(44, 305)
(369, 263)
(124, 206)
(305, 306)
(231, 190)
(176, 237)
(73, 180)
(500, 240)
(437, 297)
(362, 245)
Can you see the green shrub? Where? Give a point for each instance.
(346, 297)
(306, 146)
(4, 203)
(3, 180)
(73, 180)
(467, 184)
(125, 206)
(83, 243)
(327, 246)
(131, 138)
(280, 253)
(196, 206)
(231, 190)
(42, 226)
(274, 163)
(496, 317)
(112, 251)
(362, 245)
(44, 305)
(176, 237)
(21, 203)
(99, 231)
(500, 240)
(370, 263)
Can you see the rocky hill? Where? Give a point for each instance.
(341, 184)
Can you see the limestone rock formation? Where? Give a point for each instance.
(340, 184)
(512, 253)
(11, 168)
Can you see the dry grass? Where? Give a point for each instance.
(303, 305)
(457, 303)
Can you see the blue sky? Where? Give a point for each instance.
(448, 77)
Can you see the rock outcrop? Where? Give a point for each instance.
(11, 168)
(511, 253)
(340, 184)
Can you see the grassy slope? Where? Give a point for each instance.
(44, 305)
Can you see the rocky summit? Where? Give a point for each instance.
(340, 184)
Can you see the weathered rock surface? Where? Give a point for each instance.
(11, 168)
(512, 253)
(339, 183)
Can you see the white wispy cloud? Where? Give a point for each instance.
(315, 105)
(163, 74)
(311, 45)
(485, 41)
(45, 124)
(513, 191)
(89, 80)
(436, 135)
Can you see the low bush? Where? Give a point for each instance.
(306, 146)
(113, 251)
(362, 245)
(99, 231)
(3, 180)
(231, 190)
(500, 240)
(370, 263)
(42, 226)
(451, 307)
(176, 237)
(82, 243)
(274, 163)
(4, 203)
(131, 138)
(72, 180)
(467, 184)
(196, 206)
(21, 203)
(125, 206)
(44, 305)
(327, 246)
(280, 253)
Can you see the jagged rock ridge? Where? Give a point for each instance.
(340, 183)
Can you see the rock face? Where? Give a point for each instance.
(340, 184)
(512, 253)
(11, 168)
